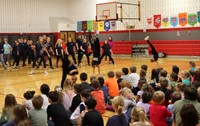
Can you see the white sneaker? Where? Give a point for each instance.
(32, 72)
(45, 72)
(146, 38)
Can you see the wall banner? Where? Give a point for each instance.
(165, 22)
(149, 21)
(101, 26)
(182, 19)
(89, 25)
(192, 19)
(79, 26)
(157, 21)
(174, 21)
(198, 13)
(113, 25)
(84, 25)
(95, 25)
(106, 25)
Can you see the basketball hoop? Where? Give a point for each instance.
(105, 17)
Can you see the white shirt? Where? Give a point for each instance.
(134, 79)
(45, 102)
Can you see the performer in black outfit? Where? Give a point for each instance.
(15, 54)
(96, 53)
(153, 51)
(78, 45)
(106, 51)
(84, 49)
(67, 68)
(70, 49)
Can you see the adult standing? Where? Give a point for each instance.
(78, 46)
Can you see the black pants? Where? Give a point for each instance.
(73, 56)
(79, 55)
(16, 60)
(87, 55)
(41, 60)
(153, 51)
(58, 58)
(24, 57)
(109, 55)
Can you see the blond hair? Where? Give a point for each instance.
(118, 103)
(125, 91)
(138, 115)
(125, 83)
(158, 96)
(59, 42)
(68, 85)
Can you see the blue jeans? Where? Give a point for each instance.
(2, 61)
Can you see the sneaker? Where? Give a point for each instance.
(146, 38)
(51, 67)
(45, 72)
(32, 72)
(13, 67)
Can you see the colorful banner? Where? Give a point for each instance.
(198, 13)
(95, 25)
(84, 25)
(113, 25)
(106, 25)
(79, 26)
(149, 21)
(165, 22)
(101, 26)
(89, 25)
(157, 21)
(174, 21)
(192, 19)
(182, 19)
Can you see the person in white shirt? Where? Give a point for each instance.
(134, 77)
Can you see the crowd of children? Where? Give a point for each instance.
(160, 101)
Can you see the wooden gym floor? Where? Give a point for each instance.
(19, 81)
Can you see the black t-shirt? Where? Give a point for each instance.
(93, 118)
(1, 48)
(70, 47)
(85, 46)
(58, 114)
(106, 48)
(75, 102)
(96, 48)
(79, 41)
(85, 85)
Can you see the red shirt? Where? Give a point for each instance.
(158, 115)
(99, 96)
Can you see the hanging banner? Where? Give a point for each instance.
(165, 22)
(101, 26)
(198, 13)
(95, 25)
(106, 25)
(192, 19)
(157, 21)
(89, 25)
(174, 21)
(79, 26)
(182, 19)
(113, 25)
(84, 25)
(149, 21)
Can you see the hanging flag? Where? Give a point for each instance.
(106, 25)
(198, 13)
(113, 25)
(89, 25)
(79, 26)
(174, 21)
(149, 21)
(95, 25)
(84, 25)
(157, 21)
(182, 19)
(101, 26)
(165, 22)
(192, 19)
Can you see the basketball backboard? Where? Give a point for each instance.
(106, 11)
